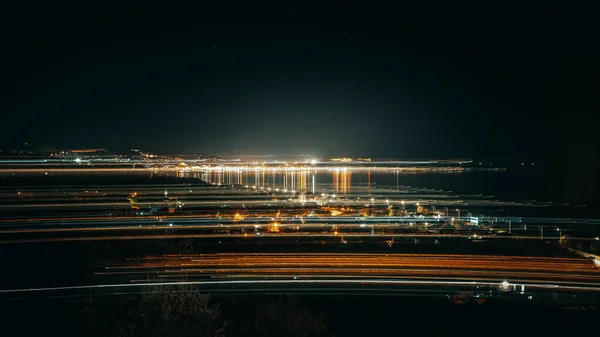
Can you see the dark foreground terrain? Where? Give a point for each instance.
(187, 313)
(182, 310)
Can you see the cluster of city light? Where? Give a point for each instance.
(296, 168)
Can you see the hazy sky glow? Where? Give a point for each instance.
(348, 80)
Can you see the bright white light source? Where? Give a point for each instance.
(505, 284)
(77, 160)
(313, 161)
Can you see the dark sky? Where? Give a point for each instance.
(288, 77)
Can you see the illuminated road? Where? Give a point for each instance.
(193, 227)
(268, 226)
(517, 269)
(299, 235)
(229, 271)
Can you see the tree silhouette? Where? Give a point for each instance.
(286, 318)
(179, 311)
(161, 311)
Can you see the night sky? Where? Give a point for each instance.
(289, 77)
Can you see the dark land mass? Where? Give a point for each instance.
(348, 315)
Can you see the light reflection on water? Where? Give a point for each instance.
(499, 184)
(512, 185)
(506, 185)
(515, 186)
(337, 181)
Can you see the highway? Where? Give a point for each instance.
(299, 235)
(492, 269)
(490, 275)
(273, 226)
